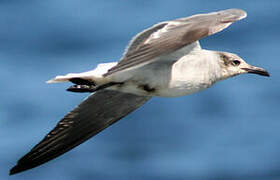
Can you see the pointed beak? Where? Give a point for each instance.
(256, 70)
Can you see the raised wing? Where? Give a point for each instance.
(169, 36)
(94, 114)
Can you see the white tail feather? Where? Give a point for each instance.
(66, 78)
(95, 75)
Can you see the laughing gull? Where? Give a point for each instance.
(164, 60)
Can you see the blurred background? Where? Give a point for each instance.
(230, 131)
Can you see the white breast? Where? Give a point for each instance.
(191, 73)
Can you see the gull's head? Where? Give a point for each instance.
(233, 65)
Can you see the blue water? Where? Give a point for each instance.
(230, 131)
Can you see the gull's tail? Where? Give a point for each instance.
(94, 76)
(89, 81)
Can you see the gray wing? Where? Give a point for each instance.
(167, 37)
(94, 114)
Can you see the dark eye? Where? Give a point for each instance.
(235, 62)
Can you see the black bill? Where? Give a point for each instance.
(257, 70)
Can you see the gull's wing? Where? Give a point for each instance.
(169, 36)
(94, 114)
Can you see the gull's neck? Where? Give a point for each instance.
(195, 71)
(209, 62)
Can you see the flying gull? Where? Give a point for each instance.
(164, 60)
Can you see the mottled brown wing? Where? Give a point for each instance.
(167, 37)
(94, 114)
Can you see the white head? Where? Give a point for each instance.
(233, 65)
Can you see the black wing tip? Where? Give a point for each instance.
(14, 170)
(17, 169)
(20, 167)
(23, 165)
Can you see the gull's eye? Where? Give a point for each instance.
(235, 62)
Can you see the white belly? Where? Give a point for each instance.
(163, 91)
(181, 90)
(164, 80)
(187, 75)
